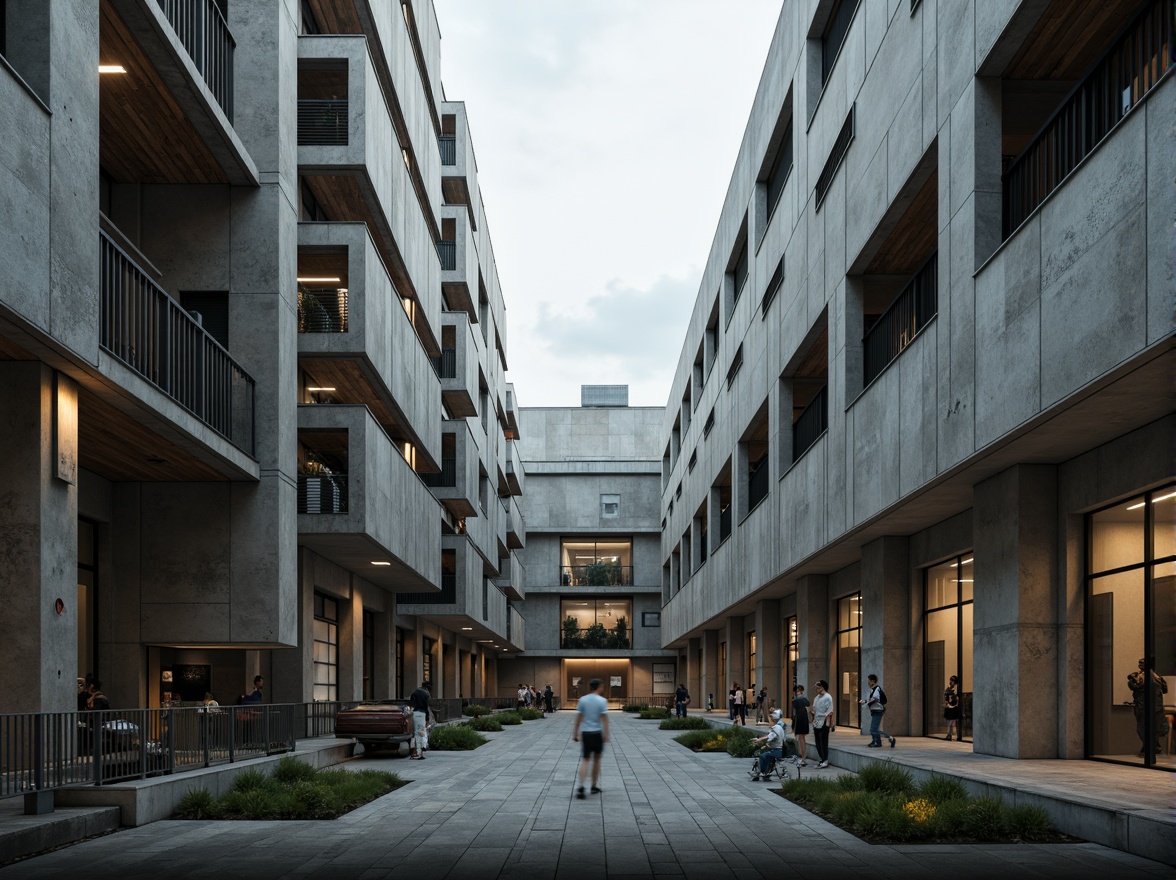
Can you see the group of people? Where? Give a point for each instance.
(529, 697)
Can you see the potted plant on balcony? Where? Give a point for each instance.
(596, 636)
(571, 633)
(619, 637)
(603, 574)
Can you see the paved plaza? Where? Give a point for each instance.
(507, 810)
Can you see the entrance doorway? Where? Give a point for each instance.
(614, 673)
(947, 648)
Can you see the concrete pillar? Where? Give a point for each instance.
(812, 631)
(886, 641)
(38, 555)
(350, 669)
(735, 635)
(769, 651)
(384, 659)
(692, 673)
(1015, 617)
(292, 676)
(709, 684)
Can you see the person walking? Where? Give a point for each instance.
(591, 731)
(875, 701)
(522, 697)
(800, 722)
(951, 706)
(681, 700)
(419, 700)
(548, 698)
(822, 722)
(761, 705)
(738, 705)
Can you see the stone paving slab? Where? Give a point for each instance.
(507, 810)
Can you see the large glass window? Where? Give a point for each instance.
(596, 623)
(87, 599)
(793, 652)
(596, 562)
(1131, 630)
(326, 648)
(849, 661)
(947, 646)
(753, 683)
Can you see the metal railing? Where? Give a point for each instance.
(596, 575)
(1131, 68)
(811, 424)
(152, 334)
(206, 38)
(447, 596)
(447, 479)
(447, 251)
(836, 154)
(757, 481)
(594, 637)
(322, 310)
(445, 364)
(725, 523)
(322, 122)
(903, 319)
(447, 144)
(322, 493)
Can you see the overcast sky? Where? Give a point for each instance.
(605, 133)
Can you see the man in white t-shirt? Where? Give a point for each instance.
(591, 731)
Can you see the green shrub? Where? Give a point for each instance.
(686, 723)
(633, 707)
(951, 818)
(807, 791)
(531, 714)
(475, 709)
(456, 738)
(704, 740)
(1028, 823)
(253, 780)
(654, 712)
(291, 770)
(512, 717)
(251, 803)
(844, 807)
(740, 742)
(941, 789)
(485, 724)
(197, 804)
(985, 819)
(886, 777)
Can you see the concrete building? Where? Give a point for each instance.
(254, 345)
(922, 421)
(593, 601)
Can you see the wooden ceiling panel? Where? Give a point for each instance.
(1069, 38)
(336, 16)
(914, 238)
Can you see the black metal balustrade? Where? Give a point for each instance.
(322, 310)
(757, 481)
(322, 122)
(322, 493)
(811, 424)
(206, 38)
(152, 334)
(447, 251)
(598, 574)
(902, 320)
(447, 596)
(725, 523)
(448, 146)
(447, 479)
(445, 364)
(1131, 68)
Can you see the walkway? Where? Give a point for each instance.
(507, 811)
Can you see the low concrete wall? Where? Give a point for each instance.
(26, 835)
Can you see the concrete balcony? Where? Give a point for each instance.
(516, 528)
(512, 411)
(369, 354)
(457, 485)
(178, 55)
(458, 251)
(386, 530)
(516, 629)
(512, 577)
(459, 168)
(459, 371)
(346, 160)
(516, 477)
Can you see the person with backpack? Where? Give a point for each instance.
(875, 700)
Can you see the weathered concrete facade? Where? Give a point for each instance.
(965, 473)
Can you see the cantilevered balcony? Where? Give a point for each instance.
(516, 529)
(383, 523)
(457, 484)
(458, 365)
(515, 475)
(355, 336)
(512, 577)
(457, 251)
(148, 331)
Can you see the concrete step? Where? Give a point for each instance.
(22, 835)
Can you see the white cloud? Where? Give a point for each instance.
(605, 134)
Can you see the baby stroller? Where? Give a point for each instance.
(777, 767)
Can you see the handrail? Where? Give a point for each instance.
(447, 145)
(447, 252)
(897, 327)
(206, 38)
(811, 423)
(446, 479)
(322, 493)
(447, 596)
(153, 335)
(1135, 62)
(322, 122)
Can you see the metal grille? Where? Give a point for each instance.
(604, 395)
(901, 322)
(840, 147)
(206, 38)
(447, 143)
(322, 310)
(447, 251)
(446, 479)
(322, 494)
(322, 122)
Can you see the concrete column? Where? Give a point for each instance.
(736, 655)
(384, 661)
(692, 672)
(886, 642)
(292, 678)
(350, 669)
(38, 556)
(709, 684)
(1015, 617)
(812, 631)
(769, 650)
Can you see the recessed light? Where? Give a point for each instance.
(324, 280)
(111, 68)
(320, 388)
(1139, 505)
(466, 628)
(380, 562)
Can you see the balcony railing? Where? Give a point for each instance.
(901, 322)
(598, 574)
(595, 637)
(447, 479)
(446, 363)
(757, 482)
(447, 596)
(149, 332)
(447, 251)
(322, 310)
(725, 524)
(322, 122)
(448, 146)
(205, 35)
(1133, 65)
(811, 424)
(322, 493)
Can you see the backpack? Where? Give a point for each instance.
(881, 695)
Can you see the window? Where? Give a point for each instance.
(847, 685)
(736, 363)
(840, 148)
(776, 167)
(792, 654)
(711, 338)
(833, 38)
(754, 449)
(693, 461)
(735, 278)
(596, 623)
(650, 618)
(709, 423)
(912, 310)
(751, 652)
(326, 648)
(947, 645)
(596, 562)
(213, 309)
(610, 506)
(773, 288)
(87, 597)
